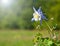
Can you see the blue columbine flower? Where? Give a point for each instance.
(38, 15)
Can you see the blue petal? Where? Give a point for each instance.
(43, 17)
(32, 19)
(41, 13)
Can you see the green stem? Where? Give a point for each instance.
(48, 26)
(49, 29)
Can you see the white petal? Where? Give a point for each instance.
(36, 19)
(39, 18)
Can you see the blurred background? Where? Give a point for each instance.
(16, 28)
(17, 14)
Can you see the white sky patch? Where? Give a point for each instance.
(5, 2)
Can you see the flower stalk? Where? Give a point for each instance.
(51, 30)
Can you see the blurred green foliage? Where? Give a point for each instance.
(19, 14)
